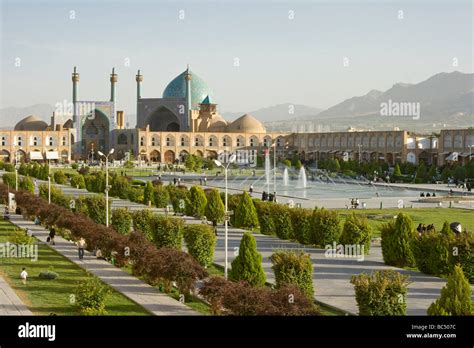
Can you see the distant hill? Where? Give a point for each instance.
(441, 97)
(277, 112)
(9, 117)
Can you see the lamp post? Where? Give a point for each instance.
(226, 213)
(49, 189)
(274, 166)
(107, 187)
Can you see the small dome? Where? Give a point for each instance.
(31, 123)
(217, 124)
(247, 124)
(68, 124)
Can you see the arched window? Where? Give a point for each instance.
(122, 139)
(50, 141)
(226, 141)
(35, 141)
(19, 141)
(4, 141)
(142, 141)
(153, 141)
(64, 142)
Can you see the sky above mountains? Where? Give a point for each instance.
(252, 54)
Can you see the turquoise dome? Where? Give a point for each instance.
(199, 89)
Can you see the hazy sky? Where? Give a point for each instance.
(297, 60)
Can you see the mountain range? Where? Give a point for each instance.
(445, 100)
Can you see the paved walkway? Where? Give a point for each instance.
(10, 303)
(145, 295)
(331, 277)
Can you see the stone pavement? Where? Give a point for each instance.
(331, 277)
(10, 303)
(145, 295)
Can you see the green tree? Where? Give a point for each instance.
(421, 171)
(214, 208)
(148, 195)
(9, 179)
(356, 231)
(167, 232)
(291, 267)
(397, 172)
(460, 173)
(396, 242)
(120, 186)
(197, 202)
(455, 296)
(201, 242)
(26, 183)
(245, 212)
(325, 227)
(91, 296)
(60, 177)
(122, 220)
(161, 196)
(78, 181)
(189, 162)
(248, 264)
(142, 221)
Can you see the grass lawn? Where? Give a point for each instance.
(43, 296)
(436, 216)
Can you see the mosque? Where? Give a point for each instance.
(185, 120)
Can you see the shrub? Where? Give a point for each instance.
(57, 195)
(26, 183)
(23, 169)
(20, 237)
(48, 275)
(135, 194)
(325, 227)
(95, 182)
(214, 207)
(122, 220)
(248, 264)
(462, 252)
(60, 177)
(397, 238)
(8, 167)
(167, 232)
(75, 166)
(432, 252)
(301, 223)
(356, 231)
(142, 221)
(9, 179)
(148, 194)
(245, 212)
(265, 217)
(244, 300)
(93, 207)
(120, 186)
(201, 242)
(455, 297)
(382, 293)
(90, 296)
(282, 221)
(78, 181)
(295, 268)
(161, 197)
(178, 197)
(197, 202)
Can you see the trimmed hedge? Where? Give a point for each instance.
(201, 242)
(161, 196)
(142, 221)
(78, 181)
(295, 268)
(381, 293)
(301, 223)
(282, 221)
(245, 213)
(60, 177)
(265, 217)
(122, 220)
(325, 227)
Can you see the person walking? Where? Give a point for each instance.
(81, 244)
(24, 276)
(251, 190)
(52, 234)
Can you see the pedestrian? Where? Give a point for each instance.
(36, 184)
(24, 276)
(174, 181)
(167, 210)
(205, 181)
(52, 233)
(81, 244)
(419, 229)
(270, 197)
(264, 196)
(251, 190)
(274, 197)
(200, 181)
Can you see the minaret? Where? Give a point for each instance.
(75, 80)
(139, 79)
(188, 77)
(113, 81)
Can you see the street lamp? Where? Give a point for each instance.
(274, 166)
(107, 187)
(218, 163)
(49, 189)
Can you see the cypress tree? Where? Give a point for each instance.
(214, 207)
(245, 212)
(248, 264)
(455, 296)
(397, 172)
(396, 242)
(148, 194)
(197, 201)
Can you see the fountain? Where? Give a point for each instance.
(301, 178)
(267, 167)
(285, 177)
